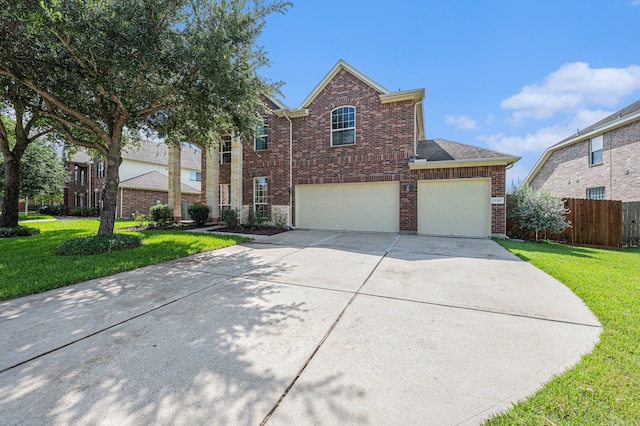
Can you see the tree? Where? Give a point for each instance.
(15, 138)
(537, 210)
(182, 68)
(42, 173)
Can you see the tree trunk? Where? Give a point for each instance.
(10, 206)
(110, 193)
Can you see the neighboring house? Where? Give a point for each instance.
(143, 179)
(599, 162)
(352, 156)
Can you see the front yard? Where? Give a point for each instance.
(29, 265)
(604, 388)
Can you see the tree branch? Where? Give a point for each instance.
(79, 142)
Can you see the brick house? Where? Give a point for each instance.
(601, 161)
(143, 179)
(352, 156)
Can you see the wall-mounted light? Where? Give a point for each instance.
(407, 186)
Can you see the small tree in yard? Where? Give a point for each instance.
(537, 210)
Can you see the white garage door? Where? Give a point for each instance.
(349, 206)
(460, 207)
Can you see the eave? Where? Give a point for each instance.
(500, 161)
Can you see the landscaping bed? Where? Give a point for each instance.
(264, 230)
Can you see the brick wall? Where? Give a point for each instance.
(567, 172)
(136, 200)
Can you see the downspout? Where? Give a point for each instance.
(284, 112)
(121, 200)
(415, 128)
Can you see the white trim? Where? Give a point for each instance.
(343, 129)
(498, 161)
(266, 193)
(341, 64)
(622, 121)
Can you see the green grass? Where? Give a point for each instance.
(604, 388)
(29, 265)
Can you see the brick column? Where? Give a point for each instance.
(236, 176)
(212, 186)
(175, 196)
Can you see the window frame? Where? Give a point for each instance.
(597, 193)
(335, 129)
(262, 135)
(101, 169)
(195, 176)
(225, 155)
(222, 205)
(261, 197)
(593, 153)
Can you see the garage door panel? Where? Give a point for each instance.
(349, 206)
(459, 207)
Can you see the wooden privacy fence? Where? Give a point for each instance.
(593, 222)
(631, 223)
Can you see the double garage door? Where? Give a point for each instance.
(445, 207)
(349, 206)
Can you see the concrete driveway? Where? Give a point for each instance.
(305, 327)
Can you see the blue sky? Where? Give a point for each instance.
(515, 76)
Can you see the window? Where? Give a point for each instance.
(101, 169)
(83, 173)
(96, 197)
(343, 126)
(260, 196)
(260, 142)
(225, 151)
(195, 176)
(225, 196)
(75, 177)
(595, 151)
(596, 193)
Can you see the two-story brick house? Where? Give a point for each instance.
(601, 161)
(352, 156)
(143, 179)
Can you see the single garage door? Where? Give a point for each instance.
(349, 206)
(460, 207)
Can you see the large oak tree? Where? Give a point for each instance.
(108, 67)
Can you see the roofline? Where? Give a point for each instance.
(497, 161)
(291, 112)
(142, 188)
(341, 64)
(416, 95)
(619, 122)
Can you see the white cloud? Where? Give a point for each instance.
(490, 117)
(545, 137)
(461, 122)
(635, 3)
(574, 85)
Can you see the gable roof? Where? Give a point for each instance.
(155, 181)
(439, 153)
(386, 96)
(151, 152)
(625, 116)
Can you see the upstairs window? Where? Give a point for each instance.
(225, 151)
(195, 176)
(343, 126)
(260, 142)
(595, 150)
(596, 193)
(100, 169)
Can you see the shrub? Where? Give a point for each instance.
(230, 218)
(251, 219)
(98, 244)
(280, 220)
(89, 211)
(18, 231)
(76, 212)
(139, 218)
(260, 219)
(199, 213)
(537, 211)
(51, 210)
(161, 214)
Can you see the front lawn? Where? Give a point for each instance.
(29, 265)
(604, 388)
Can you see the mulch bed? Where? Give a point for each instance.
(266, 230)
(172, 227)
